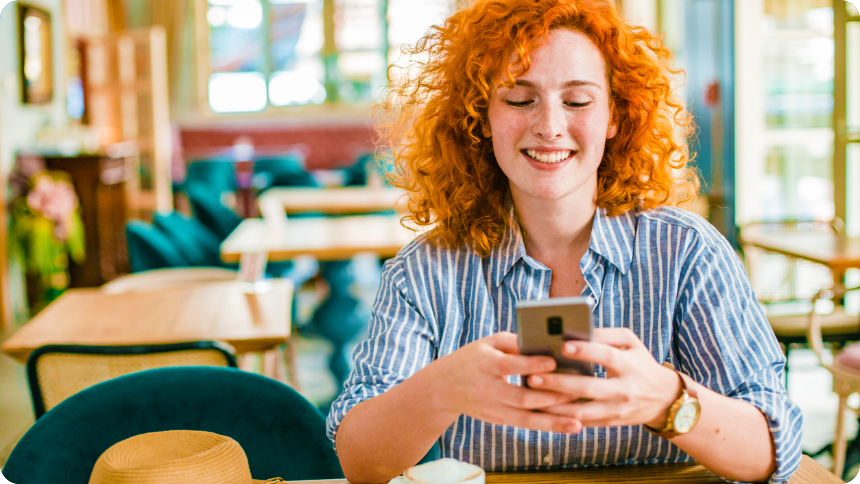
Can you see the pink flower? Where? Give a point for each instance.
(56, 200)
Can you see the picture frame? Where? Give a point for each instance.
(36, 54)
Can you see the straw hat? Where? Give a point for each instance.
(174, 456)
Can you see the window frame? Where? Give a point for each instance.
(333, 107)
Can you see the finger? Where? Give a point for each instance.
(524, 365)
(577, 386)
(527, 419)
(504, 341)
(621, 338)
(592, 413)
(611, 357)
(529, 399)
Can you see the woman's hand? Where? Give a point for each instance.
(471, 381)
(637, 389)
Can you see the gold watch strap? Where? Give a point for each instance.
(688, 390)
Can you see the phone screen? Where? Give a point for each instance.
(544, 325)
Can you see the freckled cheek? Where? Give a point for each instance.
(589, 129)
(507, 135)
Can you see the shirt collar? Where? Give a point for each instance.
(611, 238)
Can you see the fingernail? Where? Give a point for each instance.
(570, 348)
(536, 380)
(570, 428)
(547, 366)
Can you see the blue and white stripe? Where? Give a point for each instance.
(666, 274)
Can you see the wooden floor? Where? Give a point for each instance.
(16, 410)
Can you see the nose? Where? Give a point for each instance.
(549, 122)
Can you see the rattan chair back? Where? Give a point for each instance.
(57, 372)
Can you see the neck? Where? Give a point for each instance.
(554, 227)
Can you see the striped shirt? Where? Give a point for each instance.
(666, 274)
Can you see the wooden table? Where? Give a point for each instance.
(332, 241)
(324, 238)
(222, 311)
(333, 201)
(839, 253)
(810, 472)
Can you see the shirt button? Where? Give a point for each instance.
(547, 459)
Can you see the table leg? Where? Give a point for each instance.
(290, 360)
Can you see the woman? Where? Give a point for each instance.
(541, 145)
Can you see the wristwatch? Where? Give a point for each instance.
(684, 412)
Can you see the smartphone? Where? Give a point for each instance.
(544, 325)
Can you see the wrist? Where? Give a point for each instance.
(672, 385)
(438, 390)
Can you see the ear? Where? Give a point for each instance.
(612, 130)
(485, 130)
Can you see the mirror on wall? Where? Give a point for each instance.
(37, 77)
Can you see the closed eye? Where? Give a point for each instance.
(521, 104)
(518, 104)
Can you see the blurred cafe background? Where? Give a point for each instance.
(141, 135)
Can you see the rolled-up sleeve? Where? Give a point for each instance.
(725, 342)
(400, 342)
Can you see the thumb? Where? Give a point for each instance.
(504, 341)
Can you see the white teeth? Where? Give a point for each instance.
(552, 157)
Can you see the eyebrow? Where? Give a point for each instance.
(568, 84)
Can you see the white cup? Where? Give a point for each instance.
(442, 471)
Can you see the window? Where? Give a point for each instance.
(785, 106)
(265, 53)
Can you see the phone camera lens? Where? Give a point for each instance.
(553, 325)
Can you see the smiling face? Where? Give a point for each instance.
(549, 130)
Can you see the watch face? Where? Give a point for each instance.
(686, 416)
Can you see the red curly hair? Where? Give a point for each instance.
(439, 107)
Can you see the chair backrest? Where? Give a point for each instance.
(171, 277)
(199, 245)
(56, 372)
(356, 175)
(284, 171)
(778, 278)
(282, 433)
(148, 248)
(217, 174)
(209, 210)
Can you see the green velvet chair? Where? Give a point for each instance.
(281, 432)
(209, 210)
(199, 245)
(221, 220)
(149, 248)
(217, 174)
(283, 171)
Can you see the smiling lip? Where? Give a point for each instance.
(547, 156)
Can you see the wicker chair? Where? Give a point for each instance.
(845, 368)
(785, 287)
(56, 372)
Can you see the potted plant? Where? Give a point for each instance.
(45, 231)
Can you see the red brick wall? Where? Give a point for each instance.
(324, 145)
